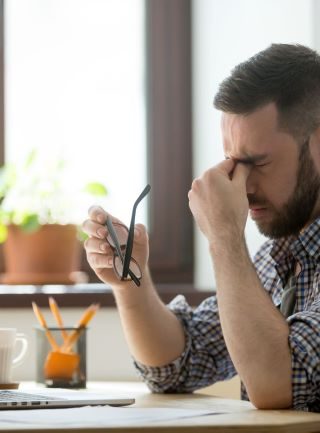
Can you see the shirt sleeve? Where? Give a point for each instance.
(205, 359)
(304, 341)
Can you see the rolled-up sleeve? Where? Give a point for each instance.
(304, 341)
(205, 359)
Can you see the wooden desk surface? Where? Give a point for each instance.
(238, 416)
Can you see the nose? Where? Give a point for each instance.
(251, 185)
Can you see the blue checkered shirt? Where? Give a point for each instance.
(206, 360)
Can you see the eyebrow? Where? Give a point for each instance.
(250, 159)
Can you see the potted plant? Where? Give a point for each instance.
(40, 213)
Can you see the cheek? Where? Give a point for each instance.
(272, 186)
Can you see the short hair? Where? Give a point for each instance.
(288, 75)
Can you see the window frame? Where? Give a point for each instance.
(169, 139)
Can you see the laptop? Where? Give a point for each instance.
(57, 398)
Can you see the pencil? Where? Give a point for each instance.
(56, 314)
(84, 320)
(42, 322)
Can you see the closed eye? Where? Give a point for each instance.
(262, 165)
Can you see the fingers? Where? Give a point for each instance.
(230, 168)
(100, 254)
(96, 213)
(99, 215)
(241, 172)
(99, 261)
(95, 225)
(94, 229)
(97, 242)
(226, 166)
(94, 245)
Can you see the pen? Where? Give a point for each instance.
(56, 313)
(84, 320)
(42, 322)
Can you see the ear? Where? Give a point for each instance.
(314, 146)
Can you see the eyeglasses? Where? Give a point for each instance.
(121, 240)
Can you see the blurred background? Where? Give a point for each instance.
(122, 90)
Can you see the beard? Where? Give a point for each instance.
(297, 212)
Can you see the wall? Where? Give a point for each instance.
(224, 34)
(108, 356)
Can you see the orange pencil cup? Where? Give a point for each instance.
(66, 367)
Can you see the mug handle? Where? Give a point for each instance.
(18, 359)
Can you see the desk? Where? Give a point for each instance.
(239, 416)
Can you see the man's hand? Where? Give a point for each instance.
(218, 200)
(99, 252)
(154, 334)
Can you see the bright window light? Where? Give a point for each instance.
(75, 89)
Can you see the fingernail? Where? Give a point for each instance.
(136, 233)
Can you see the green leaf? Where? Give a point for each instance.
(30, 223)
(81, 235)
(96, 188)
(3, 233)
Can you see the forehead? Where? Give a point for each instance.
(253, 134)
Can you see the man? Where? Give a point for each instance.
(264, 320)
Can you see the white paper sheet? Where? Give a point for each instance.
(95, 416)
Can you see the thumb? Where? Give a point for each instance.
(140, 234)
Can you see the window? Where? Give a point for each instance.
(154, 117)
(74, 89)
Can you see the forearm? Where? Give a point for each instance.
(154, 334)
(255, 332)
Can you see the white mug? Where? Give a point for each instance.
(8, 339)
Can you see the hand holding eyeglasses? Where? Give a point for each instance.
(112, 245)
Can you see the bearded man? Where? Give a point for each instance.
(263, 322)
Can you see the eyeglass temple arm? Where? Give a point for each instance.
(118, 249)
(129, 246)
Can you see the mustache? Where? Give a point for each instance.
(256, 201)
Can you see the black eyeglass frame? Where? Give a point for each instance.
(118, 251)
(127, 257)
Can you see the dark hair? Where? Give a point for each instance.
(288, 75)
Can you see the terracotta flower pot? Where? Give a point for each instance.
(47, 256)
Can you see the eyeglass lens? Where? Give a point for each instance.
(121, 233)
(134, 267)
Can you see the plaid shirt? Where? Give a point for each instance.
(206, 360)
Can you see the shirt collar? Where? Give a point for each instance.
(307, 243)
